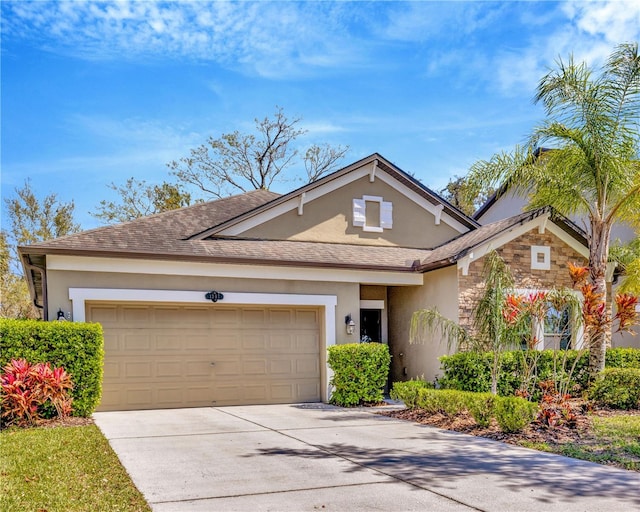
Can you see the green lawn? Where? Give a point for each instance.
(615, 441)
(63, 469)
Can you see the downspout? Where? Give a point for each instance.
(43, 277)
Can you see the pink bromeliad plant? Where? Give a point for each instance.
(26, 389)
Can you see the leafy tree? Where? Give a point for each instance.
(321, 159)
(464, 195)
(238, 162)
(138, 199)
(15, 301)
(32, 220)
(593, 167)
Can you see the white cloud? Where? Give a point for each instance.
(280, 39)
(589, 31)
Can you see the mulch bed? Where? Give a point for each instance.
(535, 433)
(69, 421)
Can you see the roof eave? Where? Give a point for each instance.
(219, 259)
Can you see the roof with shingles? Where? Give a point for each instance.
(458, 247)
(160, 232)
(167, 236)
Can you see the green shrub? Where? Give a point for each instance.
(471, 371)
(407, 391)
(360, 372)
(481, 406)
(623, 358)
(514, 413)
(618, 388)
(77, 347)
(444, 401)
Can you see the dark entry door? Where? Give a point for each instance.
(371, 324)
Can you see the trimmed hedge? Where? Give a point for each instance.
(77, 347)
(407, 391)
(514, 413)
(623, 358)
(360, 372)
(511, 413)
(471, 371)
(619, 388)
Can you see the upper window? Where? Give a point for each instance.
(372, 214)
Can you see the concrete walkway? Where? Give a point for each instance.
(318, 457)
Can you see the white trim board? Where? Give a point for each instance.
(80, 296)
(180, 268)
(371, 304)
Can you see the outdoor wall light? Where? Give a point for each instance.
(351, 325)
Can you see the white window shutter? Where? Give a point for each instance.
(359, 215)
(386, 215)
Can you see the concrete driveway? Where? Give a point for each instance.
(319, 457)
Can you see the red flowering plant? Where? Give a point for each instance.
(26, 390)
(626, 311)
(578, 274)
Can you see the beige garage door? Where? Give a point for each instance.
(162, 356)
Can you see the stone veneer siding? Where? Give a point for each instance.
(517, 254)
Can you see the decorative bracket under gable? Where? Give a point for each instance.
(372, 173)
(301, 199)
(543, 225)
(464, 263)
(438, 213)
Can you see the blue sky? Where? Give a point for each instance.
(97, 92)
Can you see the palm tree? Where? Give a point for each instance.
(593, 169)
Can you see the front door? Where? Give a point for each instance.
(371, 325)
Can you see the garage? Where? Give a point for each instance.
(162, 355)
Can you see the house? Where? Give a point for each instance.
(235, 301)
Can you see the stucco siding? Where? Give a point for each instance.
(440, 290)
(330, 219)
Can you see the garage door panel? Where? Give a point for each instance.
(138, 370)
(307, 318)
(138, 396)
(253, 317)
(254, 367)
(308, 391)
(104, 314)
(136, 340)
(307, 342)
(227, 367)
(225, 317)
(161, 355)
(253, 340)
(307, 367)
(281, 367)
(281, 341)
(135, 315)
(225, 340)
(281, 317)
(111, 370)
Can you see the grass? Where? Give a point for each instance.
(63, 469)
(616, 441)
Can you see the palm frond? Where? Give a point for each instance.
(431, 321)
